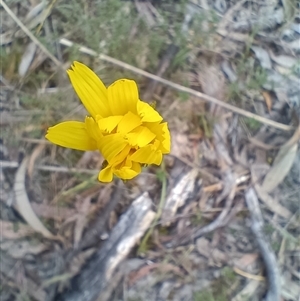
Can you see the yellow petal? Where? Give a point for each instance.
(162, 134)
(129, 122)
(93, 128)
(71, 134)
(127, 173)
(140, 136)
(136, 167)
(90, 89)
(123, 97)
(147, 155)
(147, 113)
(106, 175)
(121, 156)
(111, 145)
(108, 124)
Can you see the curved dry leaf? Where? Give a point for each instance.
(23, 204)
(282, 163)
(272, 204)
(268, 99)
(282, 166)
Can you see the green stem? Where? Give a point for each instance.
(143, 246)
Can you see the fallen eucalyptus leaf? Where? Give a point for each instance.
(263, 57)
(272, 204)
(23, 204)
(282, 163)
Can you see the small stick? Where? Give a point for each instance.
(178, 87)
(64, 169)
(266, 251)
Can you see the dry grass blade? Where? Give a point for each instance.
(178, 87)
(282, 163)
(29, 34)
(23, 204)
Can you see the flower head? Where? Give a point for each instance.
(127, 131)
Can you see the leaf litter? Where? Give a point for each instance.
(205, 247)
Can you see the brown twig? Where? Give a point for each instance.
(178, 87)
(266, 251)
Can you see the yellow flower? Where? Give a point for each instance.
(127, 131)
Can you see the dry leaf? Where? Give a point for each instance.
(11, 230)
(23, 204)
(212, 81)
(268, 100)
(27, 58)
(215, 256)
(271, 203)
(248, 290)
(295, 45)
(263, 57)
(35, 154)
(290, 289)
(81, 221)
(284, 60)
(18, 279)
(227, 69)
(35, 11)
(282, 163)
(6, 37)
(179, 146)
(78, 261)
(18, 249)
(35, 290)
(246, 260)
(178, 196)
(55, 212)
